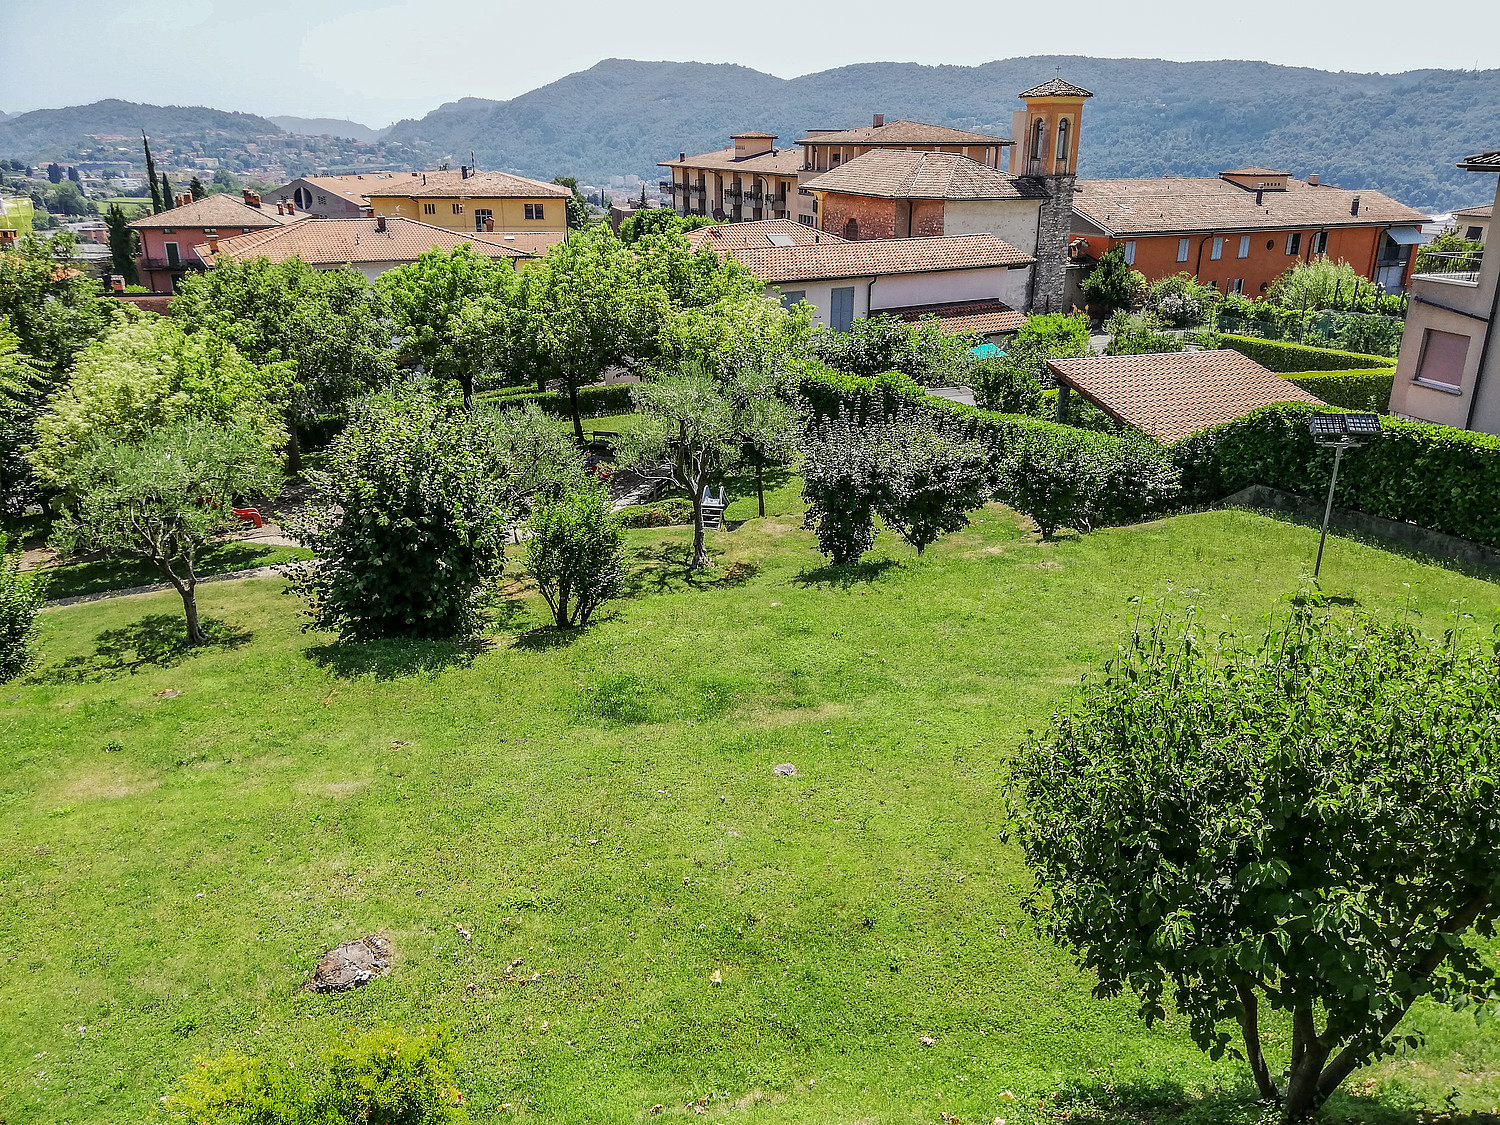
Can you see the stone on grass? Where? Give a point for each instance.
(786, 769)
(351, 965)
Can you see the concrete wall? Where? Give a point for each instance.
(1014, 220)
(819, 294)
(946, 286)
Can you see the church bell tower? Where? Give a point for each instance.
(1046, 147)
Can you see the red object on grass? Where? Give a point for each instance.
(251, 514)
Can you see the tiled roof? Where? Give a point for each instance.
(355, 188)
(531, 242)
(754, 133)
(1165, 206)
(1170, 396)
(755, 235)
(1255, 172)
(832, 259)
(480, 185)
(900, 174)
(215, 211)
(903, 133)
(963, 318)
(1055, 88)
(777, 162)
(1482, 162)
(1484, 212)
(334, 242)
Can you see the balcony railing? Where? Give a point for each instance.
(668, 186)
(168, 264)
(695, 189)
(1443, 266)
(732, 193)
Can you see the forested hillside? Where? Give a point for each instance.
(38, 134)
(1397, 133)
(327, 127)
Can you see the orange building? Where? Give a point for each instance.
(1239, 231)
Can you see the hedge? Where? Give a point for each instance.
(1101, 478)
(1415, 472)
(612, 398)
(1278, 355)
(1353, 390)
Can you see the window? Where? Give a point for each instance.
(805, 220)
(482, 215)
(1237, 285)
(793, 297)
(1062, 139)
(1474, 234)
(1320, 242)
(173, 254)
(851, 230)
(534, 212)
(1244, 246)
(1442, 362)
(1294, 242)
(458, 208)
(210, 232)
(1130, 253)
(1183, 245)
(429, 208)
(1039, 140)
(842, 312)
(1218, 251)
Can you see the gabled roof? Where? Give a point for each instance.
(903, 174)
(963, 318)
(1483, 212)
(479, 185)
(758, 235)
(1202, 205)
(903, 133)
(1481, 162)
(1255, 172)
(1055, 88)
(777, 162)
(753, 134)
(837, 258)
(335, 242)
(214, 211)
(1173, 395)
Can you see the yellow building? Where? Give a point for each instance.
(476, 202)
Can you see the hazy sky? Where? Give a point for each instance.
(376, 61)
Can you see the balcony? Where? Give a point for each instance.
(1457, 269)
(168, 264)
(695, 189)
(731, 195)
(667, 186)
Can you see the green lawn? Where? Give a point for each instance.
(98, 575)
(600, 811)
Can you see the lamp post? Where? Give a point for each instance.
(1338, 432)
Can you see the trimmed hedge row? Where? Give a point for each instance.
(1059, 475)
(1434, 476)
(613, 398)
(1353, 390)
(1283, 357)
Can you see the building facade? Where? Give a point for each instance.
(168, 240)
(1448, 370)
(1473, 223)
(477, 202)
(332, 197)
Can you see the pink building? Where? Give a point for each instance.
(167, 240)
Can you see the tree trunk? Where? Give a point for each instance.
(700, 549)
(1250, 1029)
(190, 610)
(760, 488)
(1303, 1092)
(573, 406)
(467, 383)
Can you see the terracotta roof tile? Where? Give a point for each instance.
(754, 133)
(1255, 172)
(777, 162)
(1163, 206)
(453, 185)
(1170, 396)
(1483, 212)
(757, 235)
(963, 318)
(335, 242)
(900, 174)
(835, 259)
(215, 211)
(903, 133)
(1055, 88)
(1482, 162)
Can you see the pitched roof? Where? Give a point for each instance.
(902, 174)
(214, 211)
(533, 243)
(352, 187)
(963, 318)
(777, 162)
(1481, 162)
(478, 185)
(1170, 396)
(1055, 88)
(831, 259)
(335, 242)
(1483, 212)
(755, 134)
(903, 133)
(758, 234)
(1168, 206)
(1255, 172)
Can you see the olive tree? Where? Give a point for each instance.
(1305, 823)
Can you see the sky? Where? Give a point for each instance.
(376, 61)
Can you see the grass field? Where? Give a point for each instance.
(566, 837)
(95, 576)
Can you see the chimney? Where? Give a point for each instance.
(681, 157)
(489, 226)
(1354, 206)
(879, 120)
(213, 244)
(281, 208)
(1312, 180)
(380, 223)
(116, 283)
(291, 208)
(369, 212)
(1260, 196)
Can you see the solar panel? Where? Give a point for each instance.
(1362, 425)
(779, 238)
(1326, 425)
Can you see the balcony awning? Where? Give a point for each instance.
(1407, 236)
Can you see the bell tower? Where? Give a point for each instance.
(1046, 147)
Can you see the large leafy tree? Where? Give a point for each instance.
(1305, 823)
(53, 308)
(578, 206)
(922, 351)
(23, 390)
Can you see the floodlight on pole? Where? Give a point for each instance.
(1338, 432)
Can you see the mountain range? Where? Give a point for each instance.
(1396, 133)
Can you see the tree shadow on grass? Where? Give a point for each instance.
(396, 658)
(866, 571)
(545, 637)
(663, 568)
(158, 640)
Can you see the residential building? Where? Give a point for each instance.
(1448, 370)
(168, 240)
(333, 197)
(1242, 229)
(749, 181)
(467, 200)
(972, 283)
(370, 245)
(1473, 223)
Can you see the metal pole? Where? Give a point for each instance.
(1338, 454)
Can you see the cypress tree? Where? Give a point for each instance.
(196, 187)
(166, 194)
(156, 201)
(121, 244)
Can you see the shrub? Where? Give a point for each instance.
(1113, 283)
(1322, 284)
(1278, 355)
(666, 513)
(1008, 383)
(22, 595)
(1180, 300)
(1138, 334)
(923, 351)
(395, 1077)
(841, 484)
(1353, 390)
(239, 1090)
(1054, 334)
(1434, 476)
(575, 553)
(931, 479)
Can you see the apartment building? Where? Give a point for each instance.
(479, 202)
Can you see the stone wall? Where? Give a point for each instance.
(875, 218)
(1055, 230)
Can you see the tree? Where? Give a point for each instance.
(660, 220)
(842, 469)
(1012, 382)
(1138, 334)
(575, 553)
(578, 206)
(121, 244)
(1113, 283)
(74, 176)
(878, 344)
(408, 520)
(23, 390)
(1304, 822)
(164, 497)
(168, 202)
(157, 203)
(195, 185)
(55, 173)
(22, 595)
(931, 479)
(52, 308)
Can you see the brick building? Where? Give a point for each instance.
(168, 239)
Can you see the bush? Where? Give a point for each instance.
(931, 479)
(239, 1090)
(394, 1077)
(575, 553)
(1138, 334)
(666, 513)
(1353, 390)
(841, 483)
(1180, 300)
(22, 595)
(1113, 283)
(1278, 355)
(1007, 383)
(1434, 476)
(922, 352)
